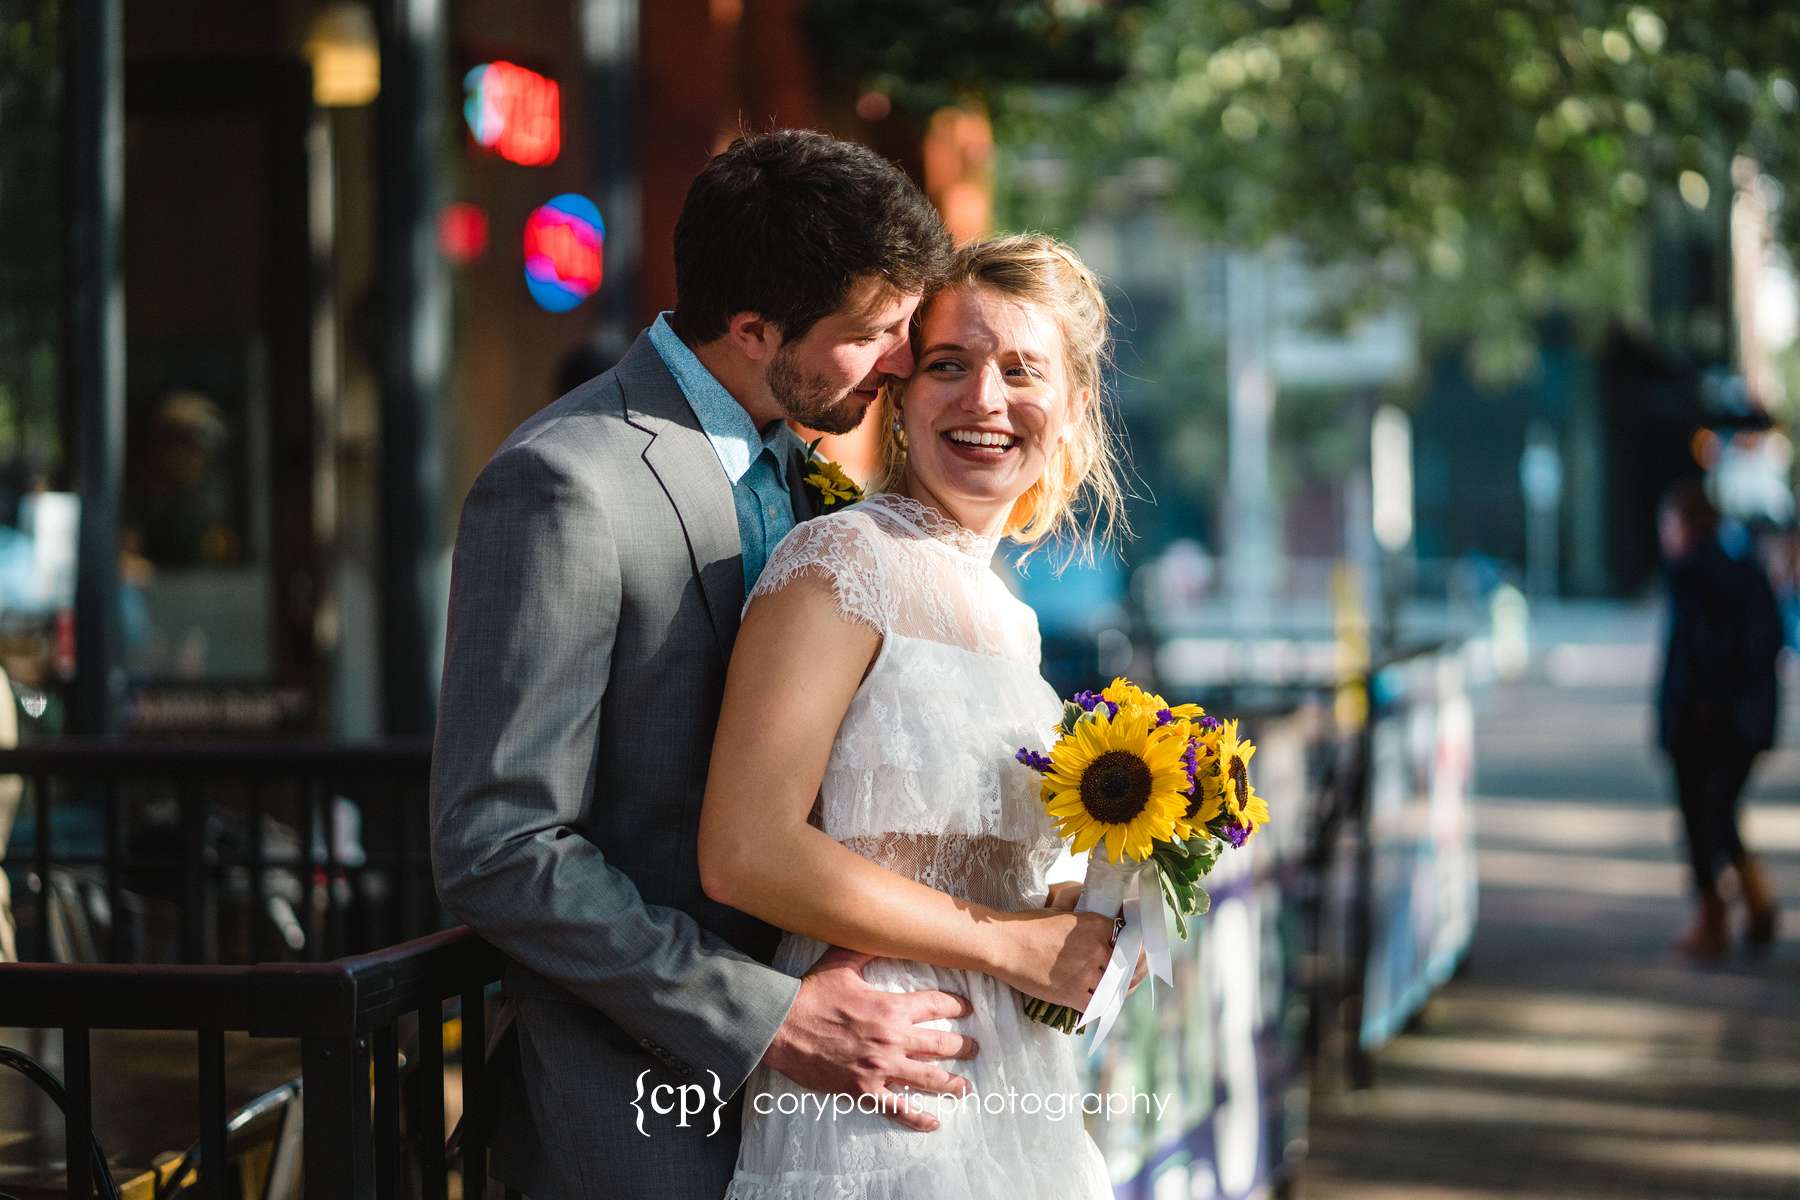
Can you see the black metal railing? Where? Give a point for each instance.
(1363, 859)
(349, 1015)
(220, 852)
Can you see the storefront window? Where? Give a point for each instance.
(37, 531)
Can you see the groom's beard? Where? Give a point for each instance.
(813, 401)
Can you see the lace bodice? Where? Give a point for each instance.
(921, 777)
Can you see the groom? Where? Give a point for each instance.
(603, 557)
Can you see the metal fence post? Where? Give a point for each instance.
(335, 1091)
(78, 1117)
(214, 1169)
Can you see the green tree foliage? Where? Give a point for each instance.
(1491, 159)
(929, 53)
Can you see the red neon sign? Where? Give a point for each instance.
(574, 256)
(564, 243)
(514, 112)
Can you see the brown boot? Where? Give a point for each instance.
(1709, 937)
(1759, 899)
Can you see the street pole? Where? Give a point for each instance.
(1251, 542)
(415, 354)
(610, 41)
(93, 362)
(1391, 514)
(1540, 479)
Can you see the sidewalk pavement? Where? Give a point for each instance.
(1576, 1056)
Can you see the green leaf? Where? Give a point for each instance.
(1178, 907)
(1202, 902)
(1071, 713)
(1205, 851)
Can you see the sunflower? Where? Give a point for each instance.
(1126, 694)
(1207, 797)
(1231, 781)
(830, 483)
(1119, 777)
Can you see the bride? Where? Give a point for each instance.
(863, 792)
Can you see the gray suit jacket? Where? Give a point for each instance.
(594, 597)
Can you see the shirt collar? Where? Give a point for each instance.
(734, 436)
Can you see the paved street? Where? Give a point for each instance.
(1576, 1056)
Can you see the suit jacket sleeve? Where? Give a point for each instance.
(534, 607)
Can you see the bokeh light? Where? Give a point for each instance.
(1694, 189)
(564, 243)
(462, 233)
(514, 112)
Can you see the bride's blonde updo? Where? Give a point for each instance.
(1080, 493)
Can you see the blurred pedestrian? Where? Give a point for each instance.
(1716, 709)
(1784, 573)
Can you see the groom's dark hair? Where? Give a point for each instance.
(783, 223)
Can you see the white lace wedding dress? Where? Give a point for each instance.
(921, 779)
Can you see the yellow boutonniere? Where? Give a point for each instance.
(828, 482)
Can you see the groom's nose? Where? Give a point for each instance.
(898, 361)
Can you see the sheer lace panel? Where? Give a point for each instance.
(901, 567)
(988, 870)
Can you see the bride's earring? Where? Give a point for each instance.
(899, 433)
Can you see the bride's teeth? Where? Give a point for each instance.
(998, 441)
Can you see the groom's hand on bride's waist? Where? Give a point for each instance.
(844, 1036)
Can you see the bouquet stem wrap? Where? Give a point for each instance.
(1109, 890)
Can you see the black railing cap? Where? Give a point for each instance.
(344, 998)
(102, 756)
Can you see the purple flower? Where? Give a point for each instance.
(1089, 701)
(1234, 832)
(1209, 723)
(1163, 717)
(1031, 758)
(1190, 758)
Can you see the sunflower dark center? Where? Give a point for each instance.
(1115, 787)
(1240, 782)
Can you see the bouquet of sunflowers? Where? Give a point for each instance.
(1164, 789)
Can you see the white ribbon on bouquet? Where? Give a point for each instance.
(1109, 888)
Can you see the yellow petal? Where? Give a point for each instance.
(1087, 836)
(1256, 812)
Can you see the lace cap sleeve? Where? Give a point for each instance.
(843, 549)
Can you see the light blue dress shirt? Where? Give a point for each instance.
(755, 461)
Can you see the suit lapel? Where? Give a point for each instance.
(806, 501)
(686, 466)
